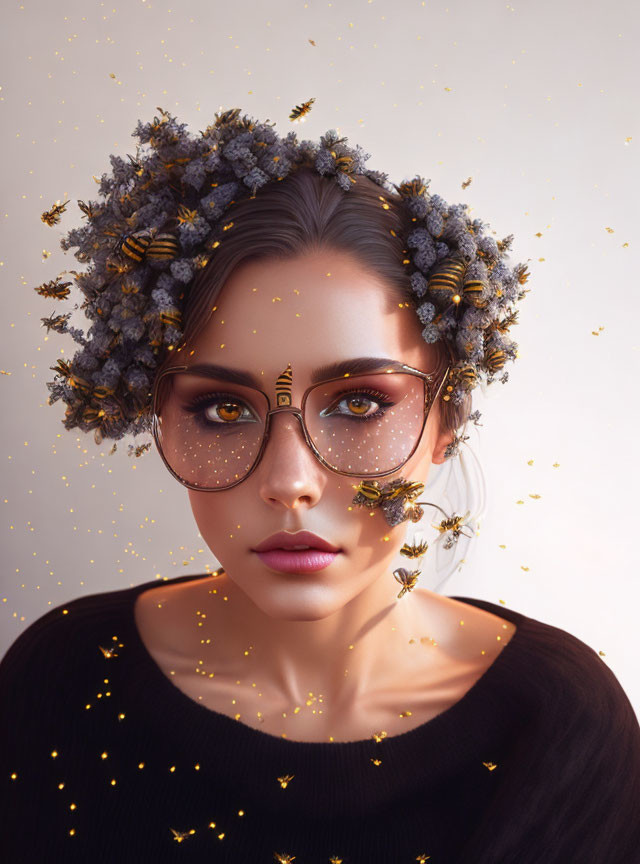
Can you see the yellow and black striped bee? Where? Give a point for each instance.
(403, 489)
(414, 550)
(300, 111)
(495, 359)
(407, 578)
(53, 216)
(368, 493)
(135, 245)
(55, 288)
(163, 247)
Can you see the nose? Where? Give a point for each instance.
(290, 475)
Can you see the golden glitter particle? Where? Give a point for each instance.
(522, 567)
(285, 780)
(377, 761)
(602, 654)
(520, 502)
(405, 714)
(534, 495)
(539, 234)
(312, 42)
(273, 299)
(556, 465)
(502, 546)
(490, 765)
(609, 230)
(597, 332)
(530, 462)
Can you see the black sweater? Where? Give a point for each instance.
(538, 763)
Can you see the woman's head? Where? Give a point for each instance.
(309, 275)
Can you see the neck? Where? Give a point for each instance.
(359, 649)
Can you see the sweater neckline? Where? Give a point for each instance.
(162, 691)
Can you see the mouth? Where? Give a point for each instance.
(297, 560)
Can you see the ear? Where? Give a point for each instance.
(443, 440)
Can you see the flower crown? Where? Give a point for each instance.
(166, 210)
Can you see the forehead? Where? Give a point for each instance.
(308, 311)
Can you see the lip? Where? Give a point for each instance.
(297, 560)
(284, 540)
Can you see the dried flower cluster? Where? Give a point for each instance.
(164, 213)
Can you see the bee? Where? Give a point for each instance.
(448, 278)
(370, 491)
(467, 376)
(455, 524)
(55, 288)
(139, 450)
(415, 550)
(163, 247)
(179, 836)
(89, 210)
(57, 322)
(108, 653)
(495, 359)
(52, 216)
(345, 164)
(63, 369)
(134, 246)
(506, 323)
(101, 392)
(227, 117)
(412, 189)
(300, 111)
(401, 488)
(473, 291)
(407, 578)
(172, 318)
(466, 182)
(283, 386)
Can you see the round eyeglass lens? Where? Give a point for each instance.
(210, 431)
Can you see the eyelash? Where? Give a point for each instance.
(197, 405)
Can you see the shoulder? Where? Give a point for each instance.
(554, 671)
(62, 639)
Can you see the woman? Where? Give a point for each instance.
(294, 705)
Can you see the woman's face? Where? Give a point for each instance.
(307, 311)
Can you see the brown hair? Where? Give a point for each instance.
(306, 212)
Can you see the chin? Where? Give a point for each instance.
(295, 597)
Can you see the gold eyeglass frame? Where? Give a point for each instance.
(427, 379)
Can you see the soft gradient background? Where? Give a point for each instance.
(536, 102)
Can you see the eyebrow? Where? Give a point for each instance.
(342, 368)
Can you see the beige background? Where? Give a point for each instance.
(535, 101)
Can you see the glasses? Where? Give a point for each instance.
(212, 434)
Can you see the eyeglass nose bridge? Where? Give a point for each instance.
(297, 412)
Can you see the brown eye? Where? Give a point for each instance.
(228, 411)
(358, 404)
